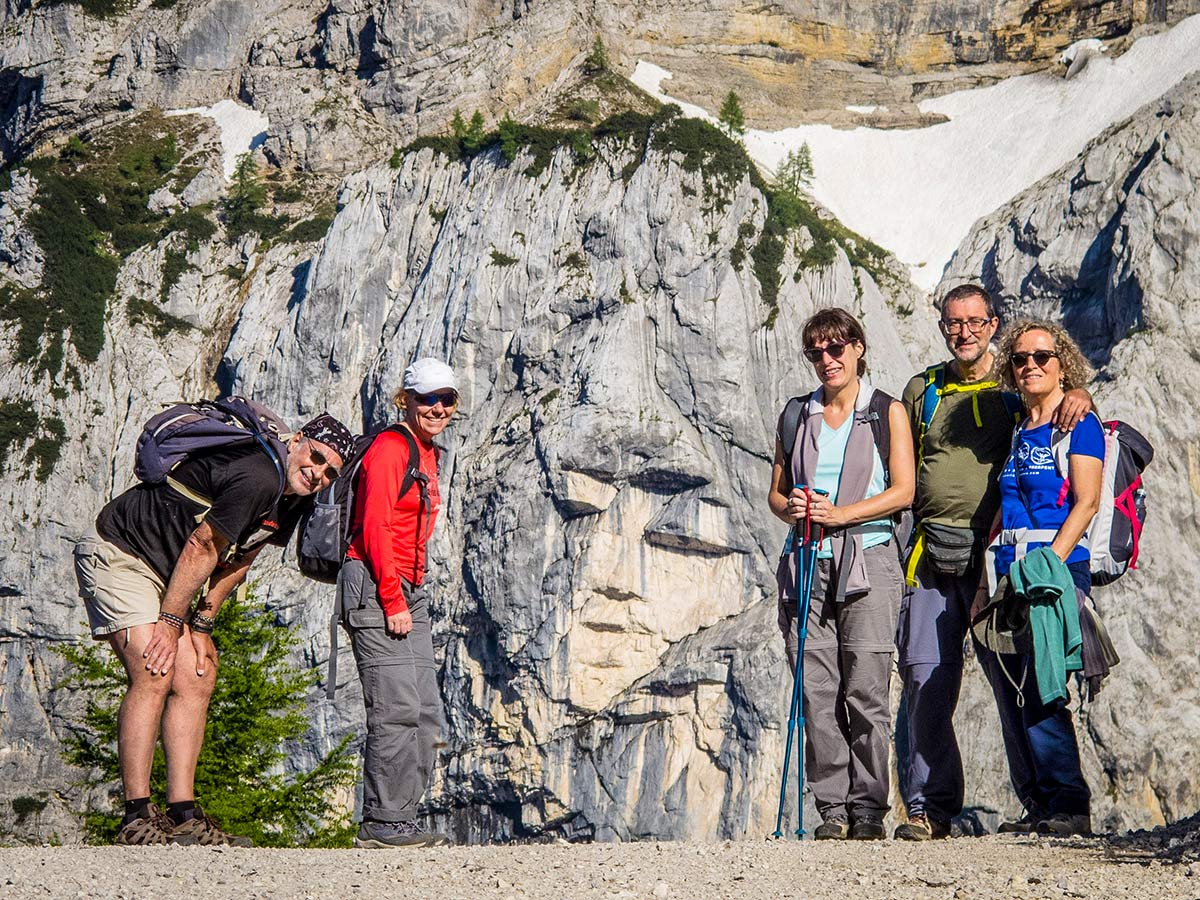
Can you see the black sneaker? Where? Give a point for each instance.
(382, 835)
(1027, 824)
(867, 828)
(920, 827)
(835, 828)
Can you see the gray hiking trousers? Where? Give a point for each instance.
(847, 675)
(400, 691)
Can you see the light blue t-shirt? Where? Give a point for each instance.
(831, 453)
(1031, 487)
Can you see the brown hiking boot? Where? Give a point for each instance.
(154, 828)
(206, 831)
(920, 827)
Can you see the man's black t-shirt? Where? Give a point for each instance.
(153, 521)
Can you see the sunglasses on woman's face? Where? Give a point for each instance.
(815, 354)
(448, 399)
(1041, 358)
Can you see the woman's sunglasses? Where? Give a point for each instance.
(448, 399)
(815, 354)
(1040, 358)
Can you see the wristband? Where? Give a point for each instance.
(171, 619)
(202, 624)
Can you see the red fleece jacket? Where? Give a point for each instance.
(386, 534)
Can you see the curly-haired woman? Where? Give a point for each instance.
(1040, 506)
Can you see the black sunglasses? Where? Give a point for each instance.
(1040, 358)
(815, 354)
(448, 399)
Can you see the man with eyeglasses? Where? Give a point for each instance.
(153, 549)
(962, 426)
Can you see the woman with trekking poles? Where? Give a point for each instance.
(843, 467)
(1049, 492)
(386, 612)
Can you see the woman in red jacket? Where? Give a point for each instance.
(386, 612)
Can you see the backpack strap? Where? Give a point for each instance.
(878, 411)
(789, 424)
(935, 379)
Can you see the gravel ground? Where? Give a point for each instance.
(976, 868)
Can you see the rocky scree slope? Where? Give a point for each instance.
(340, 78)
(605, 595)
(1106, 246)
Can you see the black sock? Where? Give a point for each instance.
(182, 811)
(136, 809)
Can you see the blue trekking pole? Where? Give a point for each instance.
(797, 677)
(812, 545)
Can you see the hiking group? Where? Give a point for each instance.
(998, 455)
(1003, 462)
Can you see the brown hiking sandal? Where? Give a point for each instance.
(155, 828)
(206, 831)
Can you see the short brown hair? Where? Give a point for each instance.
(1076, 372)
(965, 292)
(838, 326)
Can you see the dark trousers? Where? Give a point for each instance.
(400, 691)
(934, 621)
(1039, 740)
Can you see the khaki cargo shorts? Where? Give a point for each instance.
(118, 590)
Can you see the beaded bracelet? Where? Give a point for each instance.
(171, 619)
(202, 624)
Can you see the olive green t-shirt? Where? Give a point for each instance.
(957, 478)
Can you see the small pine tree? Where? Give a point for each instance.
(795, 173)
(510, 138)
(474, 136)
(596, 62)
(731, 117)
(256, 712)
(246, 196)
(458, 128)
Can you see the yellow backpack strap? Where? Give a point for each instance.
(914, 558)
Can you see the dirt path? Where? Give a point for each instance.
(975, 868)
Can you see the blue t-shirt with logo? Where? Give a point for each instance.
(1030, 485)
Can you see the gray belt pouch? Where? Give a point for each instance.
(951, 550)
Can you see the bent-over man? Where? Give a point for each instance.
(151, 551)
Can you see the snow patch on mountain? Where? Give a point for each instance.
(917, 192)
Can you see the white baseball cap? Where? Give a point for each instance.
(427, 375)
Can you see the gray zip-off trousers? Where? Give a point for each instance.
(399, 684)
(847, 673)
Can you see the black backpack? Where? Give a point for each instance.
(325, 528)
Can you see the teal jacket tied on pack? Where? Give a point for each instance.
(1042, 581)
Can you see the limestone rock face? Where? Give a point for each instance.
(603, 584)
(347, 80)
(1105, 247)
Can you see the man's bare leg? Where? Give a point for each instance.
(141, 710)
(184, 720)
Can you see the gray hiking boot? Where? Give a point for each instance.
(835, 828)
(1027, 824)
(920, 827)
(374, 835)
(868, 828)
(1066, 825)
